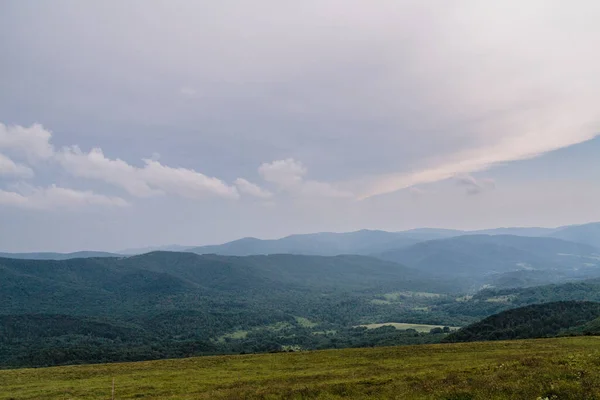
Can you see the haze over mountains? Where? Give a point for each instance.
(371, 242)
(363, 242)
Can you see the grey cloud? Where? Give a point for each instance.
(474, 186)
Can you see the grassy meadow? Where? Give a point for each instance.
(563, 368)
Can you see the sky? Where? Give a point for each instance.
(143, 123)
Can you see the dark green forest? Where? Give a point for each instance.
(534, 321)
(167, 304)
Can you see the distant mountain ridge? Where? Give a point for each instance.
(362, 242)
(59, 256)
(369, 242)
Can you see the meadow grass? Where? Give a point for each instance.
(564, 368)
(402, 325)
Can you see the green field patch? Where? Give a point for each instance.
(501, 299)
(329, 332)
(236, 335)
(397, 296)
(380, 302)
(404, 326)
(243, 334)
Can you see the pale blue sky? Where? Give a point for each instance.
(128, 124)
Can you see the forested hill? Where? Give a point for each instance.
(534, 321)
(166, 280)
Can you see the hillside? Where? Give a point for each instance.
(534, 321)
(478, 256)
(562, 368)
(108, 285)
(587, 233)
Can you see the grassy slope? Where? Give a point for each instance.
(565, 368)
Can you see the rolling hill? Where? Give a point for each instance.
(534, 321)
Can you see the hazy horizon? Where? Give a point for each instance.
(184, 246)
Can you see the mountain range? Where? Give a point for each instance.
(362, 242)
(369, 242)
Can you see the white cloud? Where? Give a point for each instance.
(31, 197)
(184, 182)
(94, 165)
(285, 173)
(152, 179)
(252, 189)
(289, 174)
(32, 142)
(9, 168)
